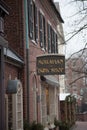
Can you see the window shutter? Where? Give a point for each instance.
(44, 32)
(30, 19)
(56, 43)
(52, 42)
(1, 25)
(35, 23)
(41, 29)
(49, 37)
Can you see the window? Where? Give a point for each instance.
(33, 21)
(35, 103)
(10, 117)
(49, 103)
(56, 44)
(1, 25)
(42, 31)
(47, 100)
(15, 108)
(49, 38)
(52, 40)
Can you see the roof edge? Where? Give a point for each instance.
(58, 14)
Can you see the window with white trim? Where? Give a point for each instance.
(33, 20)
(35, 103)
(37, 18)
(15, 109)
(42, 30)
(48, 105)
(52, 40)
(49, 37)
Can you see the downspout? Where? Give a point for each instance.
(2, 90)
(27, 54)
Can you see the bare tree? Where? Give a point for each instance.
(80, 19)
(76, 64)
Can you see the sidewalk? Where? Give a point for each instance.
(80, 126)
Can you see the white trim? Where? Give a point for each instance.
(49, 23)
(41, 12)
(17, 108)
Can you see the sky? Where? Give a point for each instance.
(67, 10)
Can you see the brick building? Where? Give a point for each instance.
(75, 77)
(31, 31)
(10, 65)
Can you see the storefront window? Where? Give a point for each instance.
(47, 100)
(15, 106)
(35, 103)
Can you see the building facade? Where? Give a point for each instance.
(43, 41)
(75, 78)
(11, 87)
(31, 31)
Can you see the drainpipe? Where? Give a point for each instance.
(27, 53)
(2, 90)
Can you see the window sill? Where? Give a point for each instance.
(33, 41)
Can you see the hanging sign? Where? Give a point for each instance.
(50, 64)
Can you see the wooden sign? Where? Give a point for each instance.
(51, 64)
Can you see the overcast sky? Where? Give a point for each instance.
(67, 10)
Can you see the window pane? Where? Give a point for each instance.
(47, 100)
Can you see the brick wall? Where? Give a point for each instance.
(35, 51)
(14, 33)
(14, 27)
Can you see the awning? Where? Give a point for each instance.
(10, 54)
(12, 86)
(50, 80)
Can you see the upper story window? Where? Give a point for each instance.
(39, 28)
(42, 31)
(33, 21)
(52, 40)
(56, 43)
(1, 25)
(49, 37)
